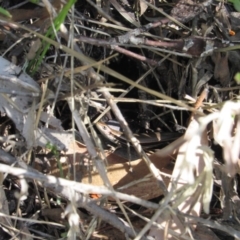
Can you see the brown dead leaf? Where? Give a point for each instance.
(25, 14)
(41, 14)
(35, 46)
(143, 7)
(221, 69)
(120, 174)
(76, 147)
(140, 182)
(54, 214)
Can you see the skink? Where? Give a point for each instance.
(146, 140)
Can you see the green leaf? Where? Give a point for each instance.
(5, 12)
(34, 1)
(236, 4)
(237, 78)
(34, 64)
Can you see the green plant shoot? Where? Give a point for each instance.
(236, 4)
(237, 78)
(56, 154)
(50, 33)
(34, 1)
(5, 12)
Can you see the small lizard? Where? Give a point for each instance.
(146, 139)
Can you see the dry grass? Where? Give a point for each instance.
(66, 67)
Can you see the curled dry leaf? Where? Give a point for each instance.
(227, 134)
(189, 161)
(143, 7)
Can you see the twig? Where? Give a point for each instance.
(67, 189)
(155, 172)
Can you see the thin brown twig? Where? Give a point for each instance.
(199, 102)
(131, 138)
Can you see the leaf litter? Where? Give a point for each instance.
(138, 68)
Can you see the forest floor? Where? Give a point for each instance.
(120, 119)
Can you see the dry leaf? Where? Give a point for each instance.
(143, 7)
(139, 181)
(120, 174)
(224, 126)
(129, 16)
(221, 70)
(183, 173)
(35, 46)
